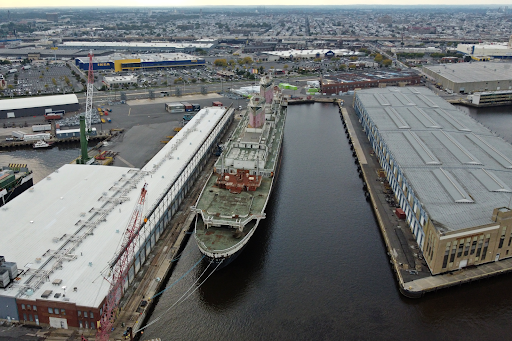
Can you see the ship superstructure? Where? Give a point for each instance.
(234, 199)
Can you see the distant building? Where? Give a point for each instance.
(109, 81)
(52, 17)
(471, 77)
(344, 82)
(421, 30)
(187, 47)
(494, 50)
(37, 106)
(129, 62)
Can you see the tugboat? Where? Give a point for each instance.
(42, 144)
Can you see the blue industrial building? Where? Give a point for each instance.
(130, 62)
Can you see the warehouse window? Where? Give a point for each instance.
(79, 313)
(50, 310)
(473, 246)
(466, 249)
(461, 247)
(23, 306)
(56, 310)
(34, 308)
(486, 246)
(446, 253)
(63, 311)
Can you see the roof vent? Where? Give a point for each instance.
(90, 263)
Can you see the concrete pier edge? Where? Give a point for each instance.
(360, 155)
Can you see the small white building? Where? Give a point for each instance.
(109, 81)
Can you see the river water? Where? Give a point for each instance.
(317, 268)
(42, 162)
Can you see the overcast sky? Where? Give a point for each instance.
(172, 3)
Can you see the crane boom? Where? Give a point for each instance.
(88, 100)
(120, 268)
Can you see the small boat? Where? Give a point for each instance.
(42, 144)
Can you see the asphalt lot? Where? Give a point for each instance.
(49, 79)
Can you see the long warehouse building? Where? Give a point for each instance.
(450, 175)
(188, 47)
(37, 106)
(59, 238)
(129, 62)
(471, 77)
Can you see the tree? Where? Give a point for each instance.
(231, 62)
(54, 81)
(378, 58)
(387, 62)
(285, 66)
(248, 60)
(353, 58)
(220, 62)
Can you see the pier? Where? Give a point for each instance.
(413, 275)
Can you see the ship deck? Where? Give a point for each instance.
(226, 207)
(219, 238)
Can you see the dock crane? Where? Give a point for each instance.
(119, 267)
(86, 118)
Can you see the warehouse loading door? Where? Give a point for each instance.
(57, 322)
(10, 115)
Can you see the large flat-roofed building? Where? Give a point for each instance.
(187, 47)
(129, 62)
(60, 238)
(451, 176)
(471, 77)
(37, 106)
(348, 81)
(494, 50)
(312, 54)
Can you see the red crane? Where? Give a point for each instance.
(120, 267)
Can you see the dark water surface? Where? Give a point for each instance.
(317, 268)
(42, 162)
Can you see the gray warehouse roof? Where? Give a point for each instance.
(473, 72)
(458, 169)
(37, 102)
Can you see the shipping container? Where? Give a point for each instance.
(174, 107)
(41, 127)
(18, 134)
(62, 134)
(188, 106)
(400, 213)
(217, 104)
(37, 137)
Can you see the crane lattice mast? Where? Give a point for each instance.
(88, 100)
(120, 266)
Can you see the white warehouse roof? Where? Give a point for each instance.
(37, 102)
(74, 215)
(78, 44)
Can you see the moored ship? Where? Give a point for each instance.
(14, 180)
(234, 199)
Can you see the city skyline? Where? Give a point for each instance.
(199, 3)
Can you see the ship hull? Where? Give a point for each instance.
(227, 257)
